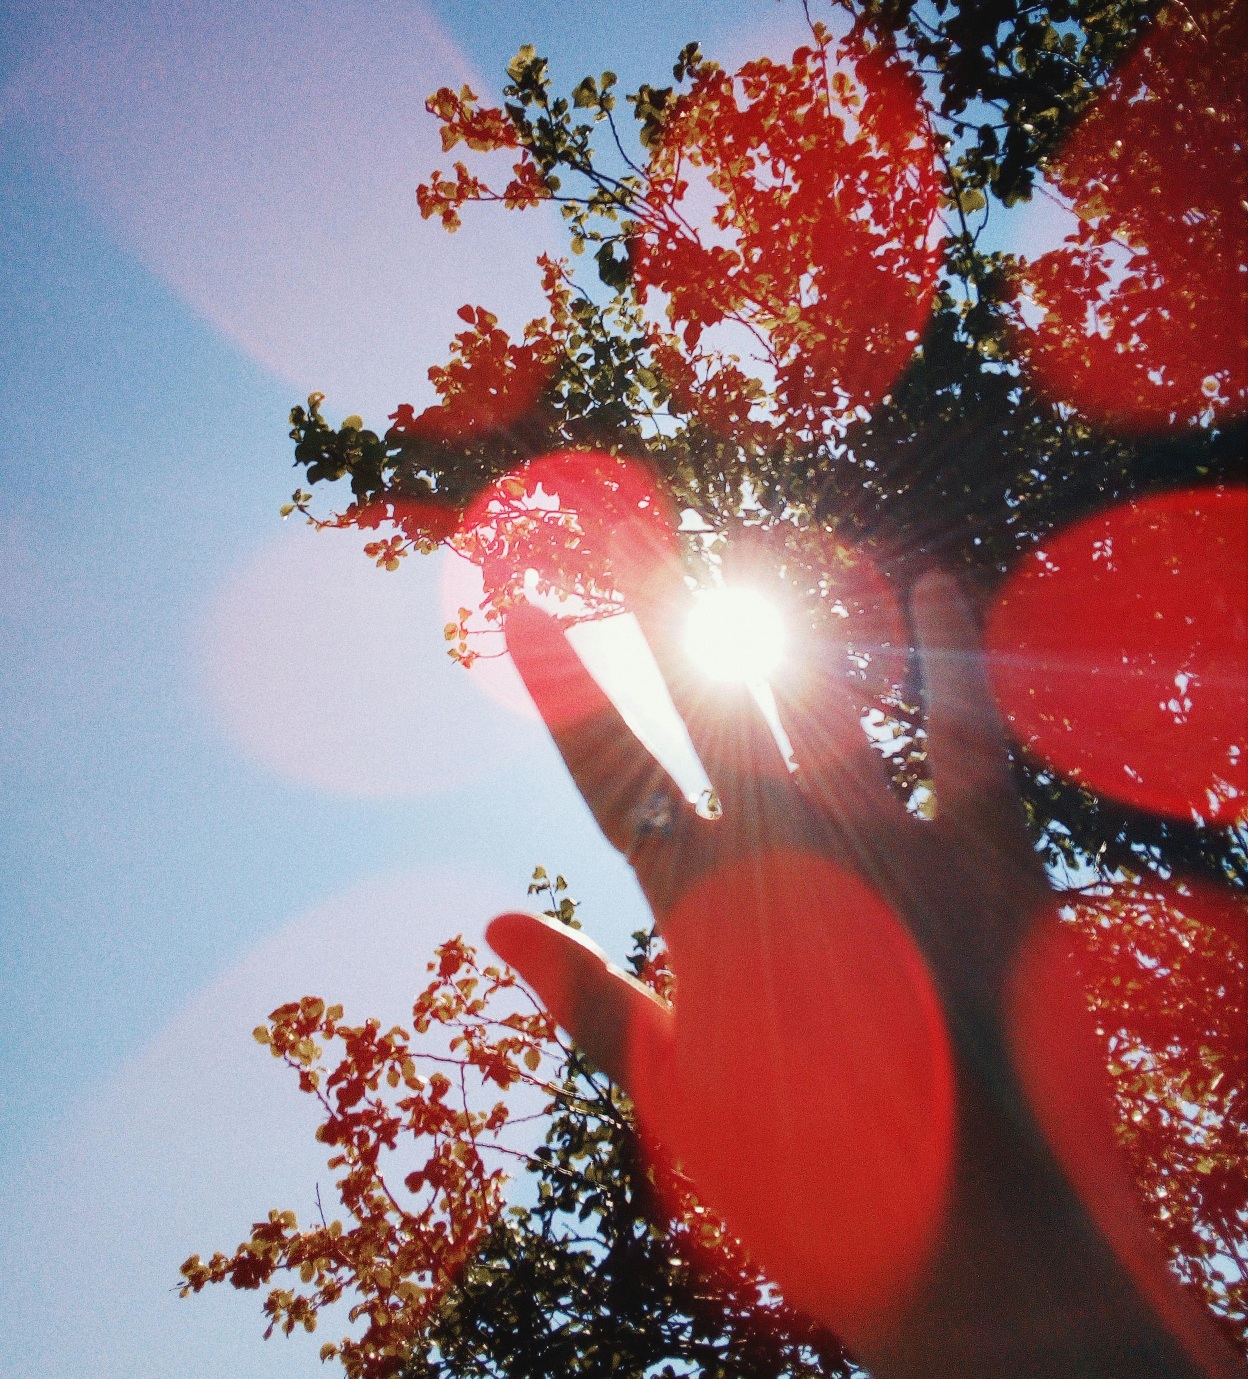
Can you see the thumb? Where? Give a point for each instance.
(616, 1021)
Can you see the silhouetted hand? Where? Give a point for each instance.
(879, 1069)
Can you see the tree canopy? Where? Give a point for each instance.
(825, 380)
(802, 352)
(608, 1265)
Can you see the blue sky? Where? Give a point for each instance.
(234, 762)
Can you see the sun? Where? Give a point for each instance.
(734, 635)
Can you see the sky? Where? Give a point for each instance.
(235, 764)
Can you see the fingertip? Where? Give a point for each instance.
(523, 941)
(937, 592)
(506, 933)
(530, 942)
(936, 584)
(944, 617)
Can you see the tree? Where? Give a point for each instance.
(797, 344)
(617, 1250)
(614, 1267)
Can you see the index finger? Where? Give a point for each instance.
(618, 778)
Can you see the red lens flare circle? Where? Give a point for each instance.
(814, 1080)
(1119, 653)
(578, 519)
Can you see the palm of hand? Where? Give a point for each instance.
(843, 1073)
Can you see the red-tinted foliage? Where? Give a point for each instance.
(1119, 653)
(1059, 1050)
(1146, 304)
(813, 227)
(577, 519)
(424, 522)
(400, 1247)
(1164, 968)
(797, 200)
(487, 385)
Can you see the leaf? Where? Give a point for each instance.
(520, 64)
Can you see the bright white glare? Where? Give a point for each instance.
(734, 635)
(616, 654)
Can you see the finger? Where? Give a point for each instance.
(838, 771)
(624, 787)
(837, 768)
(620, 1024)
(967, 746)
(728, 730)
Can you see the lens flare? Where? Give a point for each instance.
(1119, 653)
(827, 1047)
(735, 635)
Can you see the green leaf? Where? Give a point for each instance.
(521, 63)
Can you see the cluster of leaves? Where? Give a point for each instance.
(1161, 232)
(612, 1266)
(1166, 974)
(957, 459)
(606, 1262)
(1012, 78)
(404, 1246)
(577, 378)
(615, 1270)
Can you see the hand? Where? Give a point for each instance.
(878, 1069)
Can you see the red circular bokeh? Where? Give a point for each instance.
(578, 519)
(1119, 653)
(814, 1080)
